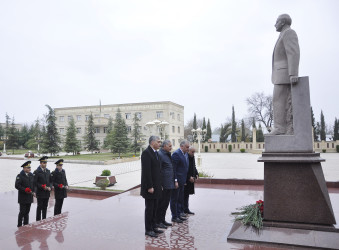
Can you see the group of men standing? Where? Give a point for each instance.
(166, 179)
(39, 184)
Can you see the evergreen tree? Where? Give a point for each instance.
(243, 133)
(2, 131)
(8, 122)
(336, 129)
(195, 121)
(136, 134)
(234, 127)
(120, 142)
(221, 136)
(108, 137)
(260, 134)
(24, 136)
(313, 125)
(253, 123)
(209, 130)
(51, 139)
(13, 137)
(91, 143)
(322, 127)
(204, 127)
(34, 134)
(72, 144)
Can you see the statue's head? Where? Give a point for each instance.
(282, 21)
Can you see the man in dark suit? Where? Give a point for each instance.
(192, 175)
(24, 184)
(60, 186)
(285, 69)
(167, 182)
(150, 188)
(42, 187)
(180, 168)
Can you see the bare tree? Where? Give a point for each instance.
(189, 126)
(260, 106)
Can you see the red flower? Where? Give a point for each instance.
(60, 186)
(43, 186)
(28, 190)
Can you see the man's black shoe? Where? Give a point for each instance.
(161, 225)
(151, 233)
(189, 212)
(183, 219)
(183, 215)
(157, 231)
(177, 220)
(167, 223)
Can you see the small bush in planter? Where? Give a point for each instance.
(337, 147)
(324, 150)
(242, 150)
(218, 150)
(103, 183)
(206, 149)
(230, 148)
(106, 172)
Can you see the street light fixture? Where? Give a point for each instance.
(160, 126)
(199, 135)
(4, 138)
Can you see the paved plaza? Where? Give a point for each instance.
(218, 165)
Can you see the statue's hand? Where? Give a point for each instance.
(293, 79)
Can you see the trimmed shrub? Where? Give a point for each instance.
(106, 172)
(337, 147)
(230, 148)
(242, 150)
(206, 149)
(218, 150)
(324, 150)
(103, 183)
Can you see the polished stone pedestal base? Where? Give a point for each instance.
(289, 237)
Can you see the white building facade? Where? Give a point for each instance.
(163, 112)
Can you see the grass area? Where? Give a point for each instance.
(93, 157)
(97, 188)
(205, 174)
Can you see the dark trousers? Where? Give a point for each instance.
(24, 214)
(177, 201)
(150, 213)
(163, 205)
(41, 208)
(186, 202)
(58, 206)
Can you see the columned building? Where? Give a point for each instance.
(156, 118)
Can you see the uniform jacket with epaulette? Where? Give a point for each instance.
(59, 177)
(21, 183)
(41, 178)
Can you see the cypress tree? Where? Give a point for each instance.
(209, 130)
(260, 134)
(120, 142)
(336, 130)
(313, 125)
(222, 135)
(243, 135)
(51, 139)
(322, 127)
(91, 143)
(1, 131)
(195, 121)
(234, 127)
(72, 144)
(203, 123)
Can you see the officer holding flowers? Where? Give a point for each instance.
(42, 187)
(60, 186)
(24, 184)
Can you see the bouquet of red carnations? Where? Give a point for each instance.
(43, 186)
(60, 186)
(251, 214)
(28, 190)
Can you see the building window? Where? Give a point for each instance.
(86, 117)
(172, 115)
(129, 129)
(96, 115)
(178, 117)
(173, 142)
(78, 117)
(106, 116)
(79, 130)
(178, 129)
(173, 129)
(69, 118)
(62, 131)
(139, 115)
(128, 116)
(139, 129)
(97, 130)
(160, 114)
(105, 130)
(61, 119)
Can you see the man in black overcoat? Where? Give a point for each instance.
(25, 186)
(192, 176)
(151, 184)
(42, 187)
(60, 185)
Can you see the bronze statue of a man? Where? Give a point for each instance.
(285, 67)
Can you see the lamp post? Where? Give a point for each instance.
(160, 126)
(4, 138)
(38, 138)
(199, 134)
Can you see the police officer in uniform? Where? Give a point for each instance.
(60, 186)
(43, 187)
(24, 184)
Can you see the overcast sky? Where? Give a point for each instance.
(204, 55)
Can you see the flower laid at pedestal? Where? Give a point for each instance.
(251, 214)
